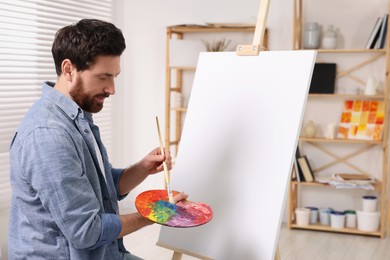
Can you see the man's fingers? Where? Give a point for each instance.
(180, 196)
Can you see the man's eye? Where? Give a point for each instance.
(102, 77)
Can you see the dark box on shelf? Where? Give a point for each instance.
(323, 79)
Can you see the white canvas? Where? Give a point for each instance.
(237, 148)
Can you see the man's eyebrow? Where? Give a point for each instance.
(108, 74)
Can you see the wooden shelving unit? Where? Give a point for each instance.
(380, 186)
(174, 75)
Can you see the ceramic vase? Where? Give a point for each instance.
(329, 38)
(310, 129)
(311, 36)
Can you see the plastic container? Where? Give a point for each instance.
(325, 216)
(302, 216)
(337, 219)
(350, 218)
(368, 221)
(313, 215)
(369, 203)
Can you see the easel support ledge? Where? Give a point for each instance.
(178, 253)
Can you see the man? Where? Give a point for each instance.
(65, 191)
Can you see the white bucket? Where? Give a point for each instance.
(350, 216)
(369, 203)
(325, 216)
(302, 216)
(368, 221)
(337, 219)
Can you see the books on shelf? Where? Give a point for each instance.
(297, 168)
(378, 34)
(374, 35)
(306, 169)
(362, 120)
(383, 33)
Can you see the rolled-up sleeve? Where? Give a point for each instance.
(52, 164)
(111, 227)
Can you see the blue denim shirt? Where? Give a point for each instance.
(62, 207)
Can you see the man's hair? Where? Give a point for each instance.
(82, 42)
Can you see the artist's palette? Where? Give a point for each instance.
(154, 205)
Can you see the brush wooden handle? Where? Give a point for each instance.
(166, 171)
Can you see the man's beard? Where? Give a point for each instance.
(86, 102)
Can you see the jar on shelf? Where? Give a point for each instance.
(310, 129)
(329, 38)
(311, 36)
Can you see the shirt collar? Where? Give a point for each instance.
(65, 103)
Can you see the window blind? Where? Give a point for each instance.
(27, 29)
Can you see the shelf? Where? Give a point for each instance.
(183, 68)
(337, 230)
(351, 51)
(347, 96)
(376, 184)
(352, 154)
(201, 28)
(179, 109)
(338, 140)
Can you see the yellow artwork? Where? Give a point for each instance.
(362, 119)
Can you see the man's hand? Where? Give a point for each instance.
(153, 162)
(179, 197)
(137, 173)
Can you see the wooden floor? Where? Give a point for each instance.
(294, 245)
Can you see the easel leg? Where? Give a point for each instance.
(176, 255)
(277, 254)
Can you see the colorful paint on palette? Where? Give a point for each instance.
(154, 205)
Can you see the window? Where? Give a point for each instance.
(27, 29)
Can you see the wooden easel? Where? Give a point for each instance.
(254, 49)
(242, 50)
(178, 253)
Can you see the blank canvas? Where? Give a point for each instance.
(236, 151)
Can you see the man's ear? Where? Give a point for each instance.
(67, 69)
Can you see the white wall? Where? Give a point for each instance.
(4, 234)
(141, 95)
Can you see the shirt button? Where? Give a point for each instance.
(72, 115)
(86, 131)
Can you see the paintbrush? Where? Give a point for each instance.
(166, 171)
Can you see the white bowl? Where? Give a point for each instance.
(368, 221)
(353, 90)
